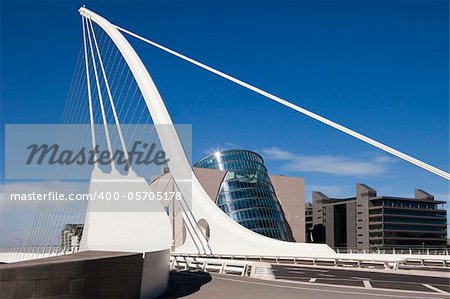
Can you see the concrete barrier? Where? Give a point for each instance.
(89, 274)
(155, 273)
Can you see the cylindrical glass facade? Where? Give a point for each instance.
(246, 193)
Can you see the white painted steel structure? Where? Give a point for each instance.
(125, 231)
(226, 236)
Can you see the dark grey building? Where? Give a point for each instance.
(371, 221)
(71, 235)
(308, 222)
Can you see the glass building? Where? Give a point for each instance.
(246, 193)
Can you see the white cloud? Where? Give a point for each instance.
(336, 165)
(385, 159)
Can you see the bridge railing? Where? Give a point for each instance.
(387, 260)
(410, 251)
(29, 252)
(221, 266)
(40, 249)
(348, 257)
(354, 260)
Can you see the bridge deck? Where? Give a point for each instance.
(304, 282)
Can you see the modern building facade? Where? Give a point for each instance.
(308, 222)
(71, 235)
(287, 198)
(371, 221)
(290, 192)
(246, 193)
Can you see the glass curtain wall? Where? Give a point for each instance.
(246, 193)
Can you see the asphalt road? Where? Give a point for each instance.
(200, 285)
(367, 279)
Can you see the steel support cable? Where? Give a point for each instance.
(297, 108)
(45, 213)
(111, 101)
(64, 211)
(107, 69)
(59, 214)
(88, 83)
(72, 90)
(97, 81)
(71, 115)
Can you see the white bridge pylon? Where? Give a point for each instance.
(210, 231)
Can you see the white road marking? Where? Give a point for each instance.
(326, 275)
(312, 280)
(435, 289)
(296, 272)
(315, 270)
(367, 284)
(290, 277)
(305, 269)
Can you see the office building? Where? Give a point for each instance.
(71, 235)
(371, 221)
(308, 222)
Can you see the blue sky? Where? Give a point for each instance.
(379, 67)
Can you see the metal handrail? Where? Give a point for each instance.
(354, 259)
(39, 250)
(395, 250)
